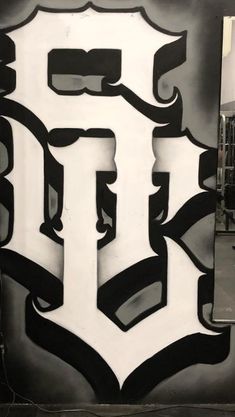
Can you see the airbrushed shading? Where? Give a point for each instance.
(106, 199)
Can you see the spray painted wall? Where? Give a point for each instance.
(109, 122)
(228, 77)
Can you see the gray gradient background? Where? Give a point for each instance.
(36, 373)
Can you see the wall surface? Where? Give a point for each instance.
(228, 73)
(109, 121)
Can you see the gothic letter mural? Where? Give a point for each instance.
(106, 205)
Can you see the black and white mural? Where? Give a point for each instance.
(107, 200)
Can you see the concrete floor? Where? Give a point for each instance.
(224, 297)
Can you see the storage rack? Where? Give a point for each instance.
(226, 174)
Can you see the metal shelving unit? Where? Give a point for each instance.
(226, 174)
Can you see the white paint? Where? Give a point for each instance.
(228, 75)
(87, 30)
(180, 157)
(79, 216)
(134, 161)
(27, 178)
(125, 351)
(227, 35)
(134, 158)
(133, 131)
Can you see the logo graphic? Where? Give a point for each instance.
(105, 199)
